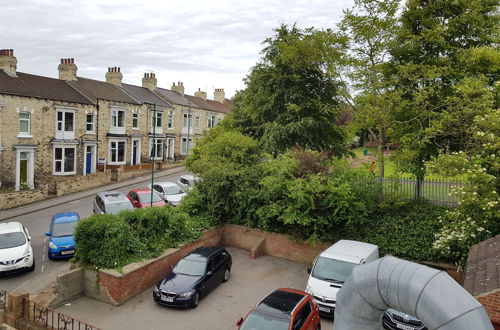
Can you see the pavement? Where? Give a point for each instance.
(251, 280)
(51, 202)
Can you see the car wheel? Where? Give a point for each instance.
(32, 268)
(196, 299)
(227, 274)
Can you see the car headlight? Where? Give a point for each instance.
(309, 289)
(52, 245)
(186, 294)
(27, 252)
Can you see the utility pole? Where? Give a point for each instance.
(153, 151)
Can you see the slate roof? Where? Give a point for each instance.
(174, 97)
(483, 267)
(143, 94)
(224, 108)
(30, 85)
(95, 89)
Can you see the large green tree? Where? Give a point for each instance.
(440, 43)
(290, 98)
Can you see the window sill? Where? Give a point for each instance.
(90, 133)
(25, 136)
(136, 129)
(120, 163)
(64, 173)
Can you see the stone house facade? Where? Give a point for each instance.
(55, 129)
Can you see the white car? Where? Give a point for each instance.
(188, 181)
(332, 268)
(171, 192)
(16, 253)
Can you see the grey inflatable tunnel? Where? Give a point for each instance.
(426, 293)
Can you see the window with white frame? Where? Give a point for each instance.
(156, 150)
(211, 121)
(187, 120)
(135, 120)
(64, 160)
(117, 152)
(65, 124)
(24, 123)
(157, 121)
(170, 120)
(90, 124)
(197, 122)
(185, 148)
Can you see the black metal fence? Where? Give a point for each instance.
(435, 191)
(53, 319)
(3, 299)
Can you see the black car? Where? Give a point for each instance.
(193, 277)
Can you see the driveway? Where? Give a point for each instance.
(250, 281)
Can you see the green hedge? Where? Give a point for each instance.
(113, 241)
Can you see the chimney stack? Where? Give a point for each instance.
(219, 95)
(67, 69)
(201, 94)
(8, 62)
(179, 88)
(149, 81)
(114, 76)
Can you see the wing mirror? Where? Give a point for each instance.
(46, 234)
(309, 269)
(209, 273)
(239, 322)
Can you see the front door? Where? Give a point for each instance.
(135, 152)
(170, 149)
(88, 161)
(23, 169)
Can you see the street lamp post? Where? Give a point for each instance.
(153, 151)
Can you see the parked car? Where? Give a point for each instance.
(61, 235)
(332, 267)
(396, 320)
(16, 253)
(286, 309)
(194, 277)
(141, 198)
(111, 202)
(188, 181)
(171, 192)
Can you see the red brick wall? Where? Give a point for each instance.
(492, 304)
(277, 245)
(125, 286)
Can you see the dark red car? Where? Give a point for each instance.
(141, 198)
(283, 309)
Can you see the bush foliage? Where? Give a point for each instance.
(113, 241)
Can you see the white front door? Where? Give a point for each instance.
(170, 149)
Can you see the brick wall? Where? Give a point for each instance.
(491, 302)
(23, 197)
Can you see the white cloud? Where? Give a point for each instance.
(203, 43)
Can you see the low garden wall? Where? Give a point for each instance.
(18, 198)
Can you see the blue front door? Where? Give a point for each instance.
(88, 167)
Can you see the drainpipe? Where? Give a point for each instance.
(426, 293)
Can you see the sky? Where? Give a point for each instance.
(204, 44)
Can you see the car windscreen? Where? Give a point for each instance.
(116, 208)
(258, 321)
(332, 270)
(10, 240)
(190, 267)
(64, 229)
(146, 198)
(173, 190)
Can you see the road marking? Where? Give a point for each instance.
(21, 285)
(43, 257)
(42, 269)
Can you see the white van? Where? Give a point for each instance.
(332, 268)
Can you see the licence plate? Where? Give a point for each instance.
(328, 310)
(167, 299)
(6, 269)
(404, 327)
(67, 252)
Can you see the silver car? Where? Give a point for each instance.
(188, 181)
(171, 192)
(111, 202)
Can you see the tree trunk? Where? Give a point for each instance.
(380, 147)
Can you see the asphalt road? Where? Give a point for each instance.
(37, 222)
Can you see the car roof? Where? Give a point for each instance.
(204, 252)
(110, 197)
(10, 227)
(350, 251)
(166, 184)
(281, 302)
(141, 190)
(65, 217)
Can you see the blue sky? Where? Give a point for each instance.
(204, 44)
